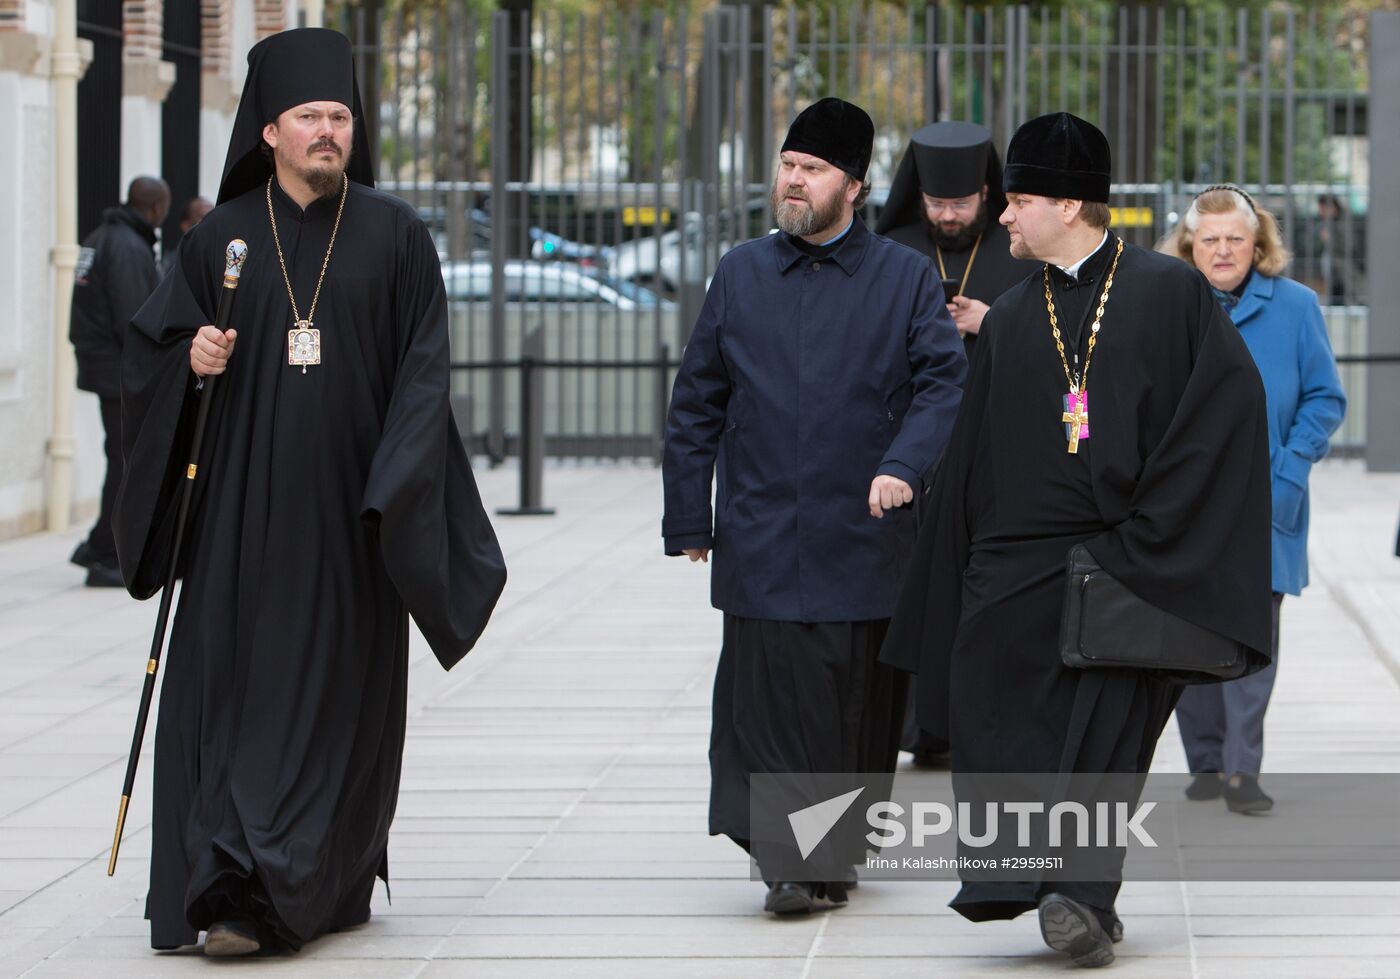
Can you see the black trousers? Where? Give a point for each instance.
(100, 540)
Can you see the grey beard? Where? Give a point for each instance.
(802, 221)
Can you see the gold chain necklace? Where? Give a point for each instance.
(304, 340)
(1075, 412)
(943, 273)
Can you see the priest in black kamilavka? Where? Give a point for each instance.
(1112, 403)
(334, 500)
(946, 201)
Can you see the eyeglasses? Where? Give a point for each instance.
(957, 207)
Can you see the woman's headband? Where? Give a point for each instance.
(1233, 187)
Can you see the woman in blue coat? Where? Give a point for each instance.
(1236, 244)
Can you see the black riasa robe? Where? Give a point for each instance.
(993, 269)
(1170, 492)
(993, 272)
(330, 505)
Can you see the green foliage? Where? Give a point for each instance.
(1175, 87)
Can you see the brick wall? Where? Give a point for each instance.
(12, 15)
(216, 33)
(269, 16)
(143, 23)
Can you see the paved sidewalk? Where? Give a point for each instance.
(552, 819)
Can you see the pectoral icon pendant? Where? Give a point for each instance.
(303, 345)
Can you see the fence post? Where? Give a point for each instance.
(500, 213)
(531, 430)
(663, 364)
(1383, 241)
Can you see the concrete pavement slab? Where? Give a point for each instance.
(553, 809)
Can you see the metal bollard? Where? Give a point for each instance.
(531, 431)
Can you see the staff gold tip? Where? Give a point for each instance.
(117, 838)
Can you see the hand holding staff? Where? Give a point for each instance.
(234, 258)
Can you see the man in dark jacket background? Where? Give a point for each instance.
(191, 213)
(821, 379)
(116, 273)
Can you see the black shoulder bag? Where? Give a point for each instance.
(1103, 624)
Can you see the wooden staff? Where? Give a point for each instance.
(234, 258)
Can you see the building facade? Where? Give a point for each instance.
(159, 87)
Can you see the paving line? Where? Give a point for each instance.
(814, 949)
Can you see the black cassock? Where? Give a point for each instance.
(1170, 492)
(993, 272)
(993, 269)
(330, 506)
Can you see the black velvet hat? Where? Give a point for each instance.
(951, 158)
(1058, 155)
(837, 131)
(945, 159)
(291, 68)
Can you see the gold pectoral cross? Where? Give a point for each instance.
(1076, 418)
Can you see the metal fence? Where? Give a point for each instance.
(634, 149)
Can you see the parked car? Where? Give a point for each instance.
(641, 260)
(546, 282)
(549, 246)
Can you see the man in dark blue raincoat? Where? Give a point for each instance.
(821, 380)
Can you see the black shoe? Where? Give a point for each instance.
(227, 939)
(1246, 796)
(1115, 927)
(789, 897)
(104, 576)
(82, 556)
(1206, 786)
(931, 759)
(834, 891)
(1068, 926)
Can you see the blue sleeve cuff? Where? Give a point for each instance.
(900, 471)
(679, 543)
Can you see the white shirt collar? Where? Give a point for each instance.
(1073, 270)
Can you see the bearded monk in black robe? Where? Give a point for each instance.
(334, 500)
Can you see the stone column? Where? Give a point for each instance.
(67, 65)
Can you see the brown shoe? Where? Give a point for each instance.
(231, 938)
